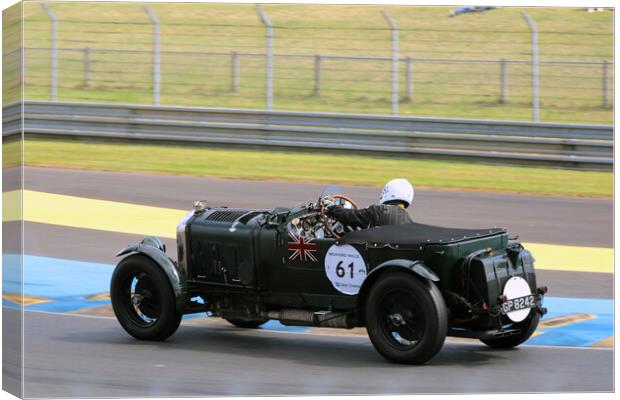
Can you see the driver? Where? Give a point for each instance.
(396, 196)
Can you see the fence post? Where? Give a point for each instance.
(395, 59)
(54, 52)
(503, 65)
(87, 68)
(234, 71)
(605, 83)
(535, 71)
(317, 74)
(409, 77)
(156, 54)
(269, 56)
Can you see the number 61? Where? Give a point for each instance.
(340, 271)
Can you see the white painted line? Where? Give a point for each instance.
(65, 314)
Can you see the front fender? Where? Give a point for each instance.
(415, 266)
(156, 250)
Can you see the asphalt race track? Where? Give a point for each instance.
(74, 355)
(568, 221)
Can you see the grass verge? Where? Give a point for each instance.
(317, 168)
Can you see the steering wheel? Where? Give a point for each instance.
(323, 215)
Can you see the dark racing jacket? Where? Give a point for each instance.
(375, 215)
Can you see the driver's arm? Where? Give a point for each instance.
(361, 218)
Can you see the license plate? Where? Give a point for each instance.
(519, 303)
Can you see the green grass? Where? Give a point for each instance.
(569, 93)
(319, 168)
(11, 153)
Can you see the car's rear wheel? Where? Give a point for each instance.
(527, 327)
(406, 318)
(143, 300)
(247, 323)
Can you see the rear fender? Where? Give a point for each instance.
(153, 248)
(416, 267)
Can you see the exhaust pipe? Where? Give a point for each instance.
(324, 319)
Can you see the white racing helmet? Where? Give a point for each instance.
(397, 189)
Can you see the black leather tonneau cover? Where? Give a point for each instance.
(415, 234)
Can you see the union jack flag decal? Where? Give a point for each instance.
(301, 248)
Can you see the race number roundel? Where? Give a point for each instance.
(345, 268)
(517, 287)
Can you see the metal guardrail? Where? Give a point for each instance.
(564, 145)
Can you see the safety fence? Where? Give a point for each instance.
(517, 64)
(321, 63)
(564, 145)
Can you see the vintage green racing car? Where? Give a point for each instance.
(410, 285)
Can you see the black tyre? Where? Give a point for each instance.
(528, 327)
(406, 318)
(143, 300)
(247, 323)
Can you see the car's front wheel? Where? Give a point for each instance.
(406, 318)
(143, 300)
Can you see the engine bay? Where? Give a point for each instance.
(315, 224)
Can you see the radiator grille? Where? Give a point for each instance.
(224, 215)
